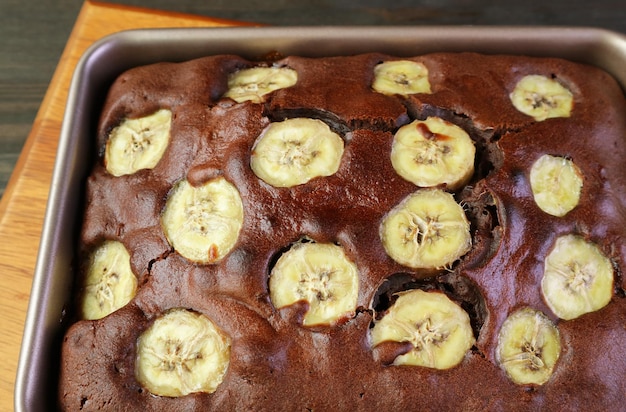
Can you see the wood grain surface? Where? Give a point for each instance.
(23, 205)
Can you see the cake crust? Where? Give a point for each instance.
(275, 362)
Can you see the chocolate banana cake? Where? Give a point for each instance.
(370, 232)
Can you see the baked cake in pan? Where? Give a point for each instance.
(366, 232)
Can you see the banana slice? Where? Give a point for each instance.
(428, 229)
(402, 77)
(138, 144)
(433, 152)
(556, 183)
(577, 278)
(542, 98)
(110, 282)
(182, 352)
(253, 84)
(203, 223)
(294, 151)
(528, 347)
(319, 274)
(438, 329)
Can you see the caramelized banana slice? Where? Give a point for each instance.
(433, 152)
(556, 183)
(294, 151)
(203, 223)
(428, 229)
(138, 144)
(253, 84)
(319, 274)
(438, 329)
(528, 347)
(401, 77)
(577, 278)
(110, 282)
(182, 352)
(542, 98)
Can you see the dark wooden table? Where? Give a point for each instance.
(34, 32)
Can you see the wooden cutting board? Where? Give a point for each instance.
(23, 205)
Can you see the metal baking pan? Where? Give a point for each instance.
(37, 375)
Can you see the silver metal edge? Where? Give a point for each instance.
(37, 326)
(590, 45)
(603, 48)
